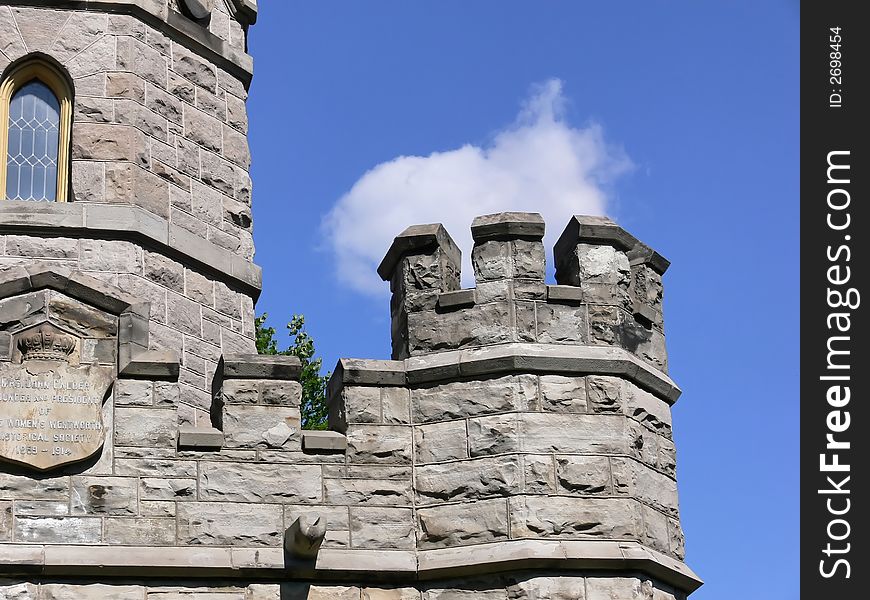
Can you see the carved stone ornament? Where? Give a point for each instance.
(50, 411)
(199, 9)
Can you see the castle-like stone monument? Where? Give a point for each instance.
(517, 446)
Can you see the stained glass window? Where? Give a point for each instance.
(31, 167)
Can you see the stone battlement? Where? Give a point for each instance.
(608, 292)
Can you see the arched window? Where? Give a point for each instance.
(35, 114)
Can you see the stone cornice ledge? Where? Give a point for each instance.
(348, 565)
(506, 358)
(116, 221)
(157, 14)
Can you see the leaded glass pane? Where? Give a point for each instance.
(31, 166)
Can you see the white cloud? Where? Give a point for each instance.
(540, 163)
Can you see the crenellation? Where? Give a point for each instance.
(519, 444)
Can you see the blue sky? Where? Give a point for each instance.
(678, 119)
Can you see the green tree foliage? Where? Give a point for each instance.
(314, 410)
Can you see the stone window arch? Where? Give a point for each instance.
(35, 123)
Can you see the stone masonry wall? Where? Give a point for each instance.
(154, 124)
(438, 467)
(158, 127)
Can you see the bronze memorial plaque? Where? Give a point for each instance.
(50, 410)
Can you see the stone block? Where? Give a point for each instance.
(145, 427)
(385, 528)
(140, 532)
(58, 530)
(640, 481)
(616, 588)
(440, 442)
(560, 324)
(100, 141)
(126, 85)
(361, 404)
(244, 482)
(456, 400)
(137, 57)
(497, 434)
(463, 524)
(480, 325)
(164, 271)
(193, 68)
(585, 475)
(104, 496)
(539, 475)
(549, 432)
(468, 480)
(563, 394)
(574, 518)
(607, 394)
(162, 488)
(379, 444)
(90, 591)
(230, 524)
(261, 427)
(396, 405)
(561, 587)
(132, 392)
(371, 492)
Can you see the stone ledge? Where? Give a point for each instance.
(324, 441)
(456, 299)
(113, 221)
(200, 438)
(564, 294)
(341, 564)
(260, 366)
(504, 358)
(176, 25)
(153, 364)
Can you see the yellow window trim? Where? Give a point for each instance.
(37, 68)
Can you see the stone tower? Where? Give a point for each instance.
(517, 446)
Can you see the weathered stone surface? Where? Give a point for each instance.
(372, 492)
(193, 68)
(160, 488)
(480, 325)
(639, 481)
(406, 593)
(261, 427)
(382, 527)
(465, 480)
(137, 57)
(145, 427)
(460, 524)
(229, 524)
(244, 482)
(362, 404)
(379, 444)
(140, 531)
(560, 323)
(472, 398)
(539, 475)
(440, 441)
(548, 432)
(563, 394)
(606, 394)
(90, 591)
(617, 588)
(548, 588)
(133, 392)
(104, 495)
(583, 474)
(58, 530)
(497, 434)
(574, 518)
(396, 405)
